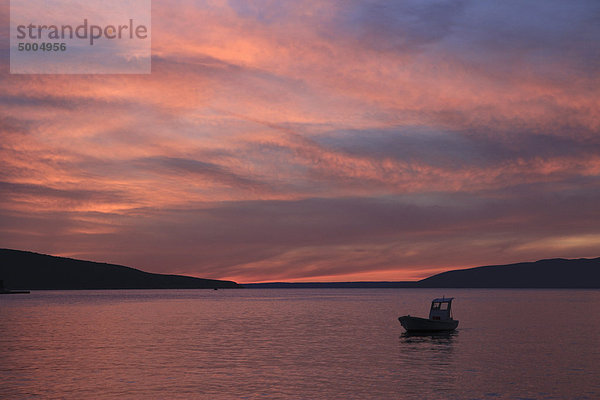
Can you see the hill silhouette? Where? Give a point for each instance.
(33, 271)
(552, 273)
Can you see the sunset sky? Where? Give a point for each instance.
(316, 141)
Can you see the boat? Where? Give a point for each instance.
(3, 290)
(440, 318)
(8, 291)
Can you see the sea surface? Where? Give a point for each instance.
(298, 344)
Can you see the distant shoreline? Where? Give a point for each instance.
(557, 273)
(375, 285)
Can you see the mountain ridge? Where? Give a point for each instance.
(546, 273)
(34, 271)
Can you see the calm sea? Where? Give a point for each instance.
(298, 344)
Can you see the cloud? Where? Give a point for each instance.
(404, 27)
(7, 188)
(543, 34)
(316, 140)
(316, 238)
(214, 172)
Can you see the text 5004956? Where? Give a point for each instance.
(44, 46)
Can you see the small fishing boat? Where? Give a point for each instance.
(440, 318)
(3, 290)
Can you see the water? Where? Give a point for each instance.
(298, 343)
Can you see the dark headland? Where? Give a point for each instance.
(32, 271)
(557, 273)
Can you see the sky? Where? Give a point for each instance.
(316, 141)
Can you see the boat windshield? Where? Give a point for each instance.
(440, 305)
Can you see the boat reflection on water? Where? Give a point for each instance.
(429, 358)
(419, 337)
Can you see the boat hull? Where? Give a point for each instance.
(416, 324)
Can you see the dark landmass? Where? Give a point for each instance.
(32, 271)
(581, 273)
(553, 273)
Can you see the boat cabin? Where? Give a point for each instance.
(441, 309)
